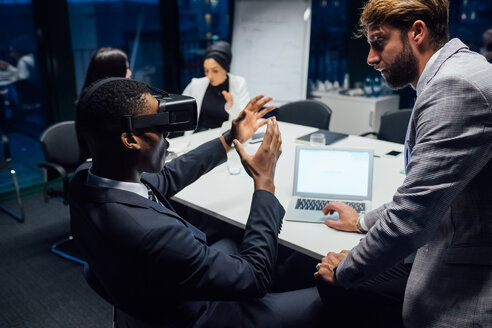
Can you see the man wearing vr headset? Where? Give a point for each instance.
(153, 265)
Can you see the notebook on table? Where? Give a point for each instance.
(330, 137)
(324, 174)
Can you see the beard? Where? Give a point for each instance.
(403, 70)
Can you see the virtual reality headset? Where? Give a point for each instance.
(176, 113)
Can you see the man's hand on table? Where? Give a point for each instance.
(347, 216)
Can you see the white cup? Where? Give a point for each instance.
(317, 139)
(233, 163)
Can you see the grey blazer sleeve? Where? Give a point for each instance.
(451, 141)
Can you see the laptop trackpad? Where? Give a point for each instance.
(310, 216)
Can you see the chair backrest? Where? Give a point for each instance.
(306, 112)
(60, 144)
(121, 318)
(96, 286)
(394, 125)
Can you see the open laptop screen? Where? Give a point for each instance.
(334, 173)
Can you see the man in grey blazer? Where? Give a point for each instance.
(443, 210)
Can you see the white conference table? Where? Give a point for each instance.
(228, 197)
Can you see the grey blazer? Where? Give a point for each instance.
(444, 207)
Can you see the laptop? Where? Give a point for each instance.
(325, 174)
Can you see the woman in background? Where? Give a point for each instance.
(220, 96)
(106, 62)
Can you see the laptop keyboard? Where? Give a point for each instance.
(318, 204)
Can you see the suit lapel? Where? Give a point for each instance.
(449, 49)
(169, 210)
(111, 195)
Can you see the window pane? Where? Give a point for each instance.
(329, 35)
(200, 23)
(132, 26)
(21, 107)
(469, 20)
(22, 112)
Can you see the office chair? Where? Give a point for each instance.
(393, 126)
(121, 319)
(5, 165)
(312, 113)
(62, 156)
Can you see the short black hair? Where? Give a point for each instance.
(109, 101)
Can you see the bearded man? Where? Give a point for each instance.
(443, 209)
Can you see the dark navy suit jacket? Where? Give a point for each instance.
(155, 265)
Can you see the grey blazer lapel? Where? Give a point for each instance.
(452, 47)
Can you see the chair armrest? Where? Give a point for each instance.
(58, 168)
(63, 174)
(368, 134)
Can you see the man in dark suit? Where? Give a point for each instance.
(151, 263)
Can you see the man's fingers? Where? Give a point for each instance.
(332, 259)
(333, 206)
(328, 208)
(267, 138)
(265, 121)
(252, 102)
(240, 150)
(264, 102)
(262, 112)
(334, 224)
(340, 256)
(277, 141)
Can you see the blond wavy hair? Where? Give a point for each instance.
(401, 14)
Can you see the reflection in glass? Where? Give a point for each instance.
(200, 23)
(133, 27)
(20, 87)
(22, 113)
(329, 35)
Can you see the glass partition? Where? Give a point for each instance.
(329, 37)
(132, 26)
(200, 23)
(21, 105)
(23, 115)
